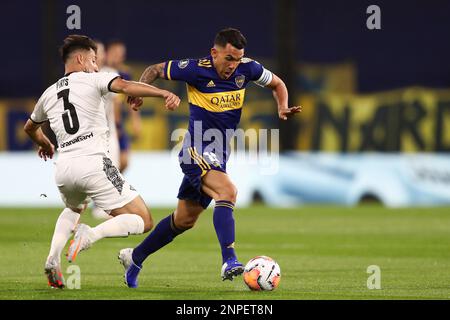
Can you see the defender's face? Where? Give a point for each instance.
(89, 61)
(226, 60)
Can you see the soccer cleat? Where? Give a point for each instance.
(231, 268)
(54, 275)
(125, 257)
(81, 241)
(131, 269)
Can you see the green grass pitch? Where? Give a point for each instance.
(323, 253)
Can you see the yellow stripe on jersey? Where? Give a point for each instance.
(217, 101)
(168, 70)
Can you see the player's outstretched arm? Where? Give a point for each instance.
(153, 72)
(150, 74)
(138, 89)
(280, 95)
(46, 148)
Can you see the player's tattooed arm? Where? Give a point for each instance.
(136, 90)
(152, 73)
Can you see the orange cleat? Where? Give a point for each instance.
(54, 276)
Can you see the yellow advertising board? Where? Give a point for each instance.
(407, 120)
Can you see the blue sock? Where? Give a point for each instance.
(224, 225)
(163, 234)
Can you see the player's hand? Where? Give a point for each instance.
(172, 100)
(46, 152)
(284, 113)
(135, 102)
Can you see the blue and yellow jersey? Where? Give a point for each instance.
(214, 102)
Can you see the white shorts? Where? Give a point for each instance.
(95, 177)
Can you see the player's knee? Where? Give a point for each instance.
(148, 225)
(148, 221)
(228, 193)
(146, 216)
(138, 206)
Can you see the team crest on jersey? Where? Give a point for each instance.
(183, 63)
(239, 80)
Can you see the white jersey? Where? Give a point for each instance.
(74, 107)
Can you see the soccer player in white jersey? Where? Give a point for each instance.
(73, 107)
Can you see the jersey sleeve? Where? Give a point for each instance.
(258, 74)
(38, 115)
(181, 70)
(103, 81)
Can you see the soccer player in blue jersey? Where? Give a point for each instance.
(216, 88)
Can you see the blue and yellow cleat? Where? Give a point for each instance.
(231, 268)
(131, 269)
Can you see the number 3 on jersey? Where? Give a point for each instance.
(70, 124)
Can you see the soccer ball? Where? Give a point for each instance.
(262, 273)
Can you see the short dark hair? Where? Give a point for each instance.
(75, 42)
(231, 36)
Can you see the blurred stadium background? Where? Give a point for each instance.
(376, 119)
(375, 128)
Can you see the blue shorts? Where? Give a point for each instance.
(194, 167)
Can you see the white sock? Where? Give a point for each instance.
(99, 214)
(119, 226)
(64, 226)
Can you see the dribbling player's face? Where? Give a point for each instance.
(226, 59)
